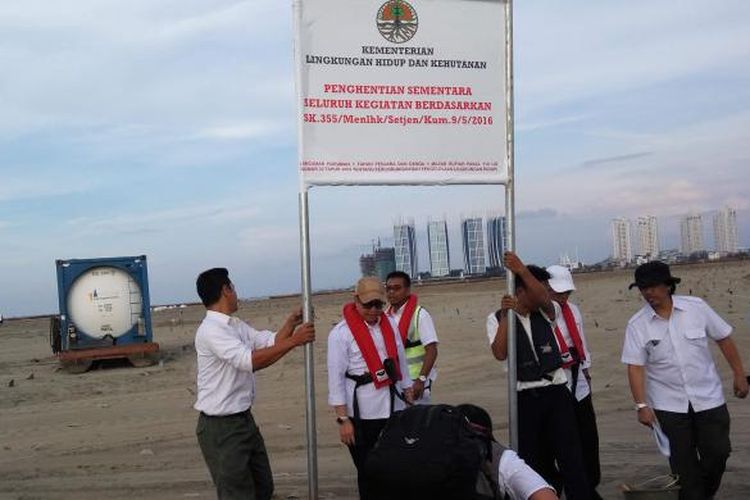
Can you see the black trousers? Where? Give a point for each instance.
(366, 433)
(589, 434)
(236, 456)
(548, 433)
(699, 448)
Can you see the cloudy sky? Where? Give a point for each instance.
(168, 128)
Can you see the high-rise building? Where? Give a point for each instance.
(472, 236)
(405, 244)
(380, 262)
(725, 230)
(367, 264)
(622, 250)
(385, 261)
(648, 237)
(691, 234)
(437, 242)
(496, 241)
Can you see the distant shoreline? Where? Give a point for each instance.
(418, 284)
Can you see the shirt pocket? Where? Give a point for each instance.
(657, 350)
(695, 333)
(696, 337)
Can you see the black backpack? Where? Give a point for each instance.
(428, 452)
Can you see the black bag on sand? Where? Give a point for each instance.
(426, 452)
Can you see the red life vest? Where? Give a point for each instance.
(406, 317)
(570, 323)
(361, 334)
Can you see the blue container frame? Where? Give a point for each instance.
(68, 271)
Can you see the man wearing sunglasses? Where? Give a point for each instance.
(367, 373)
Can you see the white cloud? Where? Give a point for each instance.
(244, 131)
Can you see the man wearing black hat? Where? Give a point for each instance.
(674, 380)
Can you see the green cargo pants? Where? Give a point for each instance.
(236, 456)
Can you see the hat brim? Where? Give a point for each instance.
(369, 296)
(645, 284)
(561, 286)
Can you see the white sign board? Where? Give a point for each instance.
(397, 92)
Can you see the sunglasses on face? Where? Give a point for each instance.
(376, 304)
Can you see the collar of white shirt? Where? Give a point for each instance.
(676, 304)
(220, 317)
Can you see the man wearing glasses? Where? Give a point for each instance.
(417, 332)
(367, 373)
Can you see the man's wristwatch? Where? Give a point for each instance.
(640, 406)
(422, 379)
(341, 420)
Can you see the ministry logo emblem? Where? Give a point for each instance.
(397, 21)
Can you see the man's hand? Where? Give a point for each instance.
(646, 416)
(295, 317)
(417, 389)
(508, 302)
(304, 334)
(513, 263)
(740, 386)
(409, 394)
(346, 432)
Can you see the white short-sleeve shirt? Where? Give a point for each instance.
(345, 357)
(224, 346)
(680, 369)
(516, 479)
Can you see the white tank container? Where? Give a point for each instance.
(104, 301)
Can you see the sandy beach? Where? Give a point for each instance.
(121, 432)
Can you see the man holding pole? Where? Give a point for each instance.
(547, 429)
(229, 353)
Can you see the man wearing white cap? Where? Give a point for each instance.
(367, 373)
(576, 362)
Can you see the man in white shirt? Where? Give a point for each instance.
(514, 479)
(547, 429)
(417, 332)
(367, 373)
(576, 363)
(228, 352)
(674, 380)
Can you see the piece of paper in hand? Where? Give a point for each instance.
(662, 441)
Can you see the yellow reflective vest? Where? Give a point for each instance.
(413, 346)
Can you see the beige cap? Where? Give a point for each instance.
(370, 288)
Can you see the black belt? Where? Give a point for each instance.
(231, 415)
(359, 381)
(539, 391)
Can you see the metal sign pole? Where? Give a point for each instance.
(510, 226)
(307, 315)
